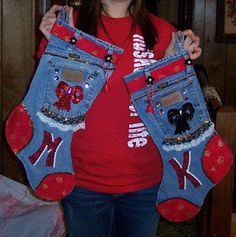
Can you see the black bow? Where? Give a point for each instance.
(180, 117)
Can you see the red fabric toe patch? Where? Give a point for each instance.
(55, 186)
(217, 159)
(19, 128)
(177, 210)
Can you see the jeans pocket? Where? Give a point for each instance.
(179, 117)
(180, 111)
(70, 87)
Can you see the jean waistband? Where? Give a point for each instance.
(88, 43)
(157, 72)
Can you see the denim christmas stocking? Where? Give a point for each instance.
(70, 74)
(168, 99)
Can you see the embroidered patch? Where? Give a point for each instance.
(183, 171)
(171, 99)
(49, 145)
(73, 75)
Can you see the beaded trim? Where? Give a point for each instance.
(187, 141)
(61, 122)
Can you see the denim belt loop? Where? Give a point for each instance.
(189, 67)
(179, 45)
(180, 49)
(110, 50)
(147, 73)
(63, 15)
(179, 41)
(77, 35)
(70, 46)
(108, 59)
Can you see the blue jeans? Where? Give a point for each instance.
(94, 214)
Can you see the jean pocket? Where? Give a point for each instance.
(180, 112)
(69, 89)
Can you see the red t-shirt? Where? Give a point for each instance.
(115, 153)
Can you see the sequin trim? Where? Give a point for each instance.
(61, 122)
(180, 143)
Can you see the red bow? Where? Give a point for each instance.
(66, 95)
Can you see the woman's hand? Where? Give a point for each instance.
(50, 18)
(191, 43)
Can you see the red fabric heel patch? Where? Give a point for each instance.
(217, 159)
(55, 186)
(177, 209)
(19, 128)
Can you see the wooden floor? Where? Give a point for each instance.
(233, 225)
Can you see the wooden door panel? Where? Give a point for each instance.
(18, 41)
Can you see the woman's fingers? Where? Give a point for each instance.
(48, 15)
(192, 44)
(55, 8)
(196, 53)
(48, 20)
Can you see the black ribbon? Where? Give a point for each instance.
(180, 117)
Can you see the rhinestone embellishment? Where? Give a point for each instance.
(61, 119)
(189, 137)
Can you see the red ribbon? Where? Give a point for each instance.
(66, 95)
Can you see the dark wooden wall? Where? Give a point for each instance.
(1, 89)
(220, 61)
(218, 58)
(17, 66)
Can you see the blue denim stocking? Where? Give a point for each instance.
(168, 99)
(67, 81)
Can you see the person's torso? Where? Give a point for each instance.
(115, 152)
